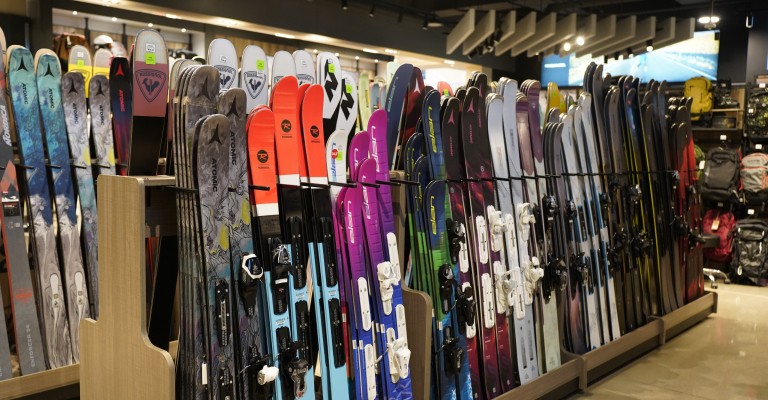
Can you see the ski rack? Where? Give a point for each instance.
(116, 354)
(118, 358)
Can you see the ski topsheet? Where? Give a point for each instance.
(305, 67)
(101, 59)
(329, 76)
(150, 94)
(73, 89)
(121, 100)
(101, 125)
(282, 66)
(397, 88)
(347, 117)
(254, 73)
(80, 61)
(223, 56)
(23, 91)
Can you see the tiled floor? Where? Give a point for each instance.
(723, 358)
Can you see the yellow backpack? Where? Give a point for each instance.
(700, 90)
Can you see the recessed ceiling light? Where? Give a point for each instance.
(370, 51)
(376, 61)
(183, 30)
(390, 51)
(704, 20)
(714, 19)
(434, 24)
(357, 57)
(171, 16)
(314, 51)
(449, 62)
(114, 19)
(74, 12)
(566, 46)
(580, 40)
(337, 54)
(285, 35)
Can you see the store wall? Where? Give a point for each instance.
(757, 51)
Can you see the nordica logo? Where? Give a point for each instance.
(350, 225)
(432, 137)
(214, 175)
(432, 214)
(6, 127)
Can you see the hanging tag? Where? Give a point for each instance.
(750, 212)
(723, 137)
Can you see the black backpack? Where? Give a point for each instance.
(720, 180)
(750, 251)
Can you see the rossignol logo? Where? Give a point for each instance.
(432, 214)
(305, 78)
(254, 82)
(432, 137)
(285, 126)
(214, 175)
(150, 82)
(226, 75)
(314, 131)
(262, 156)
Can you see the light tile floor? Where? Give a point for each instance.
(725, 357)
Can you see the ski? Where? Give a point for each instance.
(305, 67)
(101, 60)
(223, 56)
(80, 61)
(329, 75)
(121, 100)
(150, 75)
(101, 126)
(253, 76)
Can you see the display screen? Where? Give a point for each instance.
(675, 63)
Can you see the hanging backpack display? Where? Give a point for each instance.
(754, 178)
(756, 120)
(700, 90)
(750, 251)
(719, 222)
(720, 181)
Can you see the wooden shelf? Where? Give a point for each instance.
(724, 130)
(726, 109)
(28, 385)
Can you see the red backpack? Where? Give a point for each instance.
(721, 223)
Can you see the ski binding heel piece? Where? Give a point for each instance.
(387, 280)
(400, 358)
(496, 228)
(297, 369)
(250, 274)
(525, 219)
(532, 273)
(370, 370)
(467, 309)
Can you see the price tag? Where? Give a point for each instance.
(332, 68)
(348, 88)
(80, 63)
(723, 137)
(751, 110)
(701, 164)
(750, 212)
(260, 65)
(715, 224)
(150, 58)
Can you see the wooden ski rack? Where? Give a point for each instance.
(118, 361)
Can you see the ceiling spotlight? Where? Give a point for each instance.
(74, 12)
(344, 4)
(704, 20)
(150, 24)
(605, 59)
(433, 23)
(357, 57)
(425, 26)
(337, 54)
(114, 19)
(649, 46)
(714, 19)
(373, 10)
(171, 16)
(566, 46)
(183, 30)
(314, 51)
(376, 61)
(580, 40)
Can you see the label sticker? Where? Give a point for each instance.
(149, 58)
(750, 212)
(715, 224)
(332, 68)
(80, 63)
(260, 64)
(348, 88)
(701, 164)
(723, 137)
(759, 146)
(150, 48)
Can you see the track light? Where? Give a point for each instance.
(344, 4)
(566, 46)
(649, 46)
(373, 10)
(425, 26)
(580, 40)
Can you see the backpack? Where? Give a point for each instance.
(720, 180)
(700, 90)
(756, 119)
(750, 251)
(721, 223)
(754, 177)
